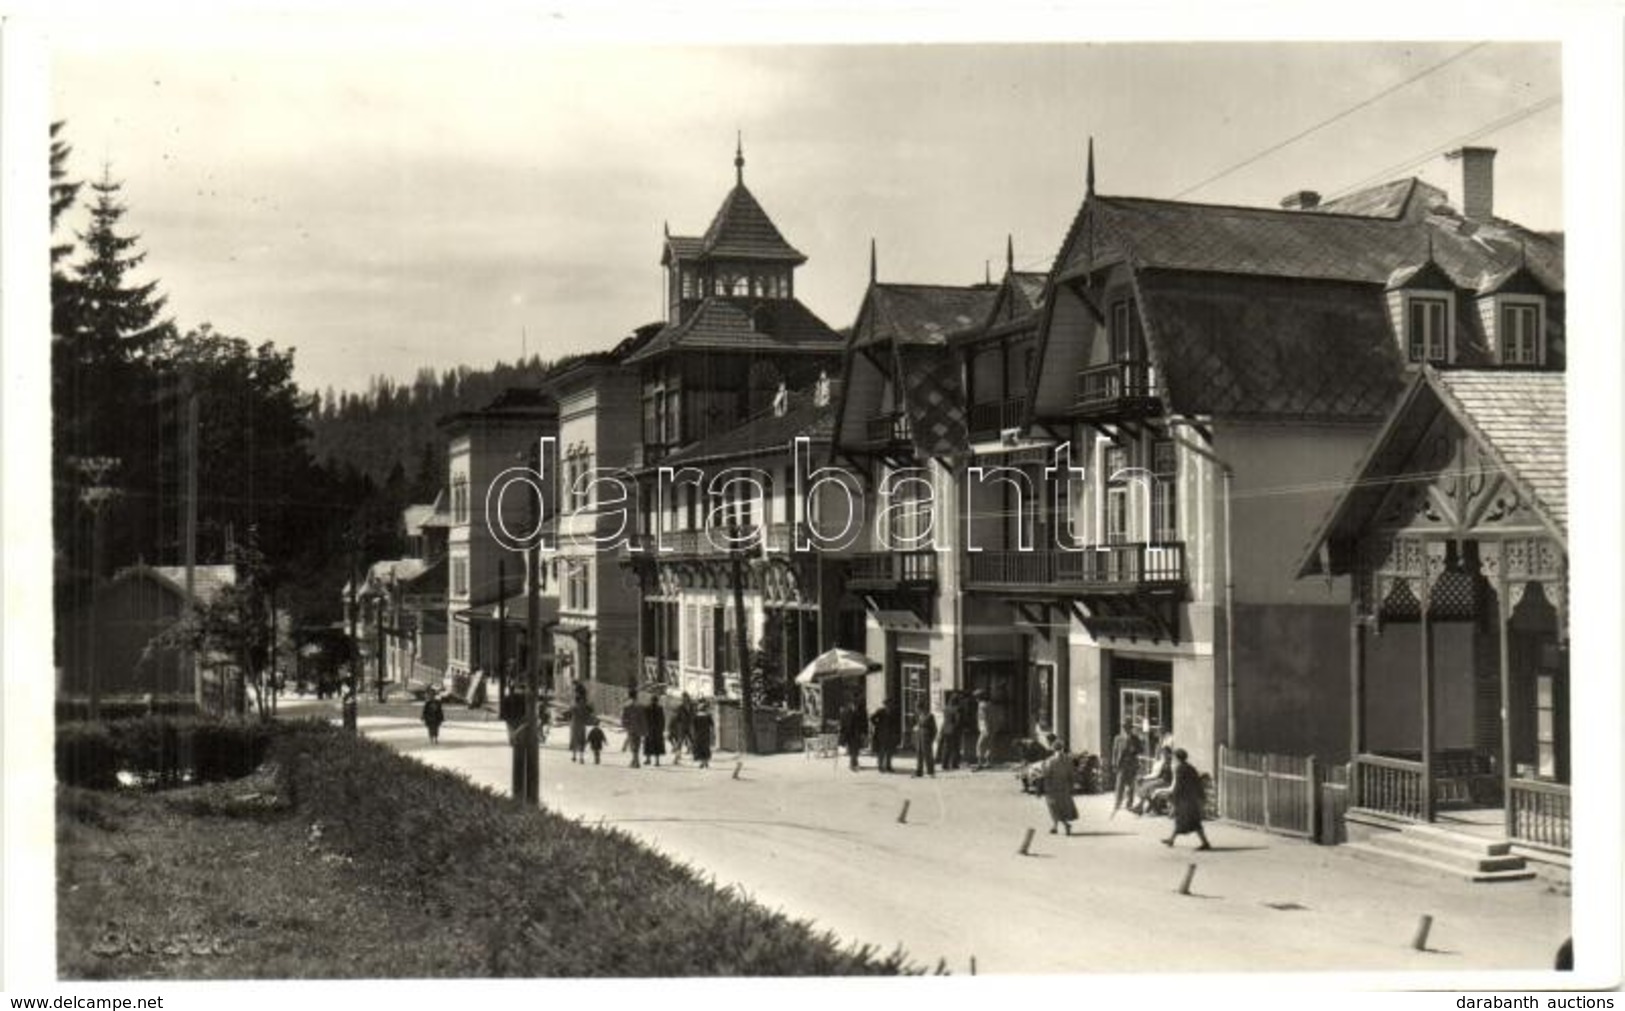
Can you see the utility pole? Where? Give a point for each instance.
(378, 642)
(97, 495)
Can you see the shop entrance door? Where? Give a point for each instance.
(1144, 692)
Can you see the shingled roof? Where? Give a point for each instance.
(741, 230)
(913, 315)
(763, 433)
(1315, 244)
(1521, 417)
(1258, 347)
(727, 323)
(1517, 416)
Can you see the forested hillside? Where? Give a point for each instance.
(393, 425)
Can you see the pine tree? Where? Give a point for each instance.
(63, 195)
(116, 321)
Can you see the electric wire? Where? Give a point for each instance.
(1336, 117)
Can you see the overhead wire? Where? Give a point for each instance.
(1334, 118)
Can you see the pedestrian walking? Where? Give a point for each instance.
(948, 742)
(925, 735)
(682, 728)
(595, 741)
(700, 734)
(1126, 751)
(987, 725)
(434, 714)
(1058, 779)
(635, 721)
(581, 717)
(654, 738)
(853, 728)
(884, 734)
(1187, 796)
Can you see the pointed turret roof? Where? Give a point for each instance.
(742, 230)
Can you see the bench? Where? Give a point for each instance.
(821, 745)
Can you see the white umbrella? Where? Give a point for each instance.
(836, 663)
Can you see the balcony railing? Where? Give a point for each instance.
(993, 417)
(1112, 567)
(882, 570)
(1539, 813)
(1115, 387)
(887, 428)
(1389, 785)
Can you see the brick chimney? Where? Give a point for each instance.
(1302, 200)
(1477, 181)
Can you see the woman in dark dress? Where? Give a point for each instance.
(700, 729)
(1187, 799)
(654, 739)
(581, 717)
(434, 714)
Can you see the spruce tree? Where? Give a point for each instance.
(117, 321)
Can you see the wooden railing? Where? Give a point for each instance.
(995, 416)
(1390, 785)
(1005, 568)
(893, 568)
(1105, 385)
(889, 427)
(1137, 563)
(1116, 565)
(1539, 813)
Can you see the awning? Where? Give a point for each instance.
(900, 621)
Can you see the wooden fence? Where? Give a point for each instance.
(1277, 793)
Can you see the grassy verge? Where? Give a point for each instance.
(341, 859)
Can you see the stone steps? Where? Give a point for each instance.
(1441, 850)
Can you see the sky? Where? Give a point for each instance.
(449, 199)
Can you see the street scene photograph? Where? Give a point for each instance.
(537, 506)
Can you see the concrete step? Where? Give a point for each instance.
(1428, 848)
(1394, 857)
(1443, 835)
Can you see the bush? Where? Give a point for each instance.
(158, 750)
(86, 756)
(520, 883)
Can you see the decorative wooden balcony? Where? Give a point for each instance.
(892, 570)
(1116, 568)
(988, 419)
(1116, 390)
(886, 429)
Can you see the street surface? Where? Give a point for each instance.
(819, 842)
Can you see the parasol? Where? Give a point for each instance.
(836, 663)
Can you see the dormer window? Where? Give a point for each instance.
(1520, 335)
(1422, 304)
(1427, 326)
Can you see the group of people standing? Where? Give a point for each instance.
(933, 745)
(692, 728)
